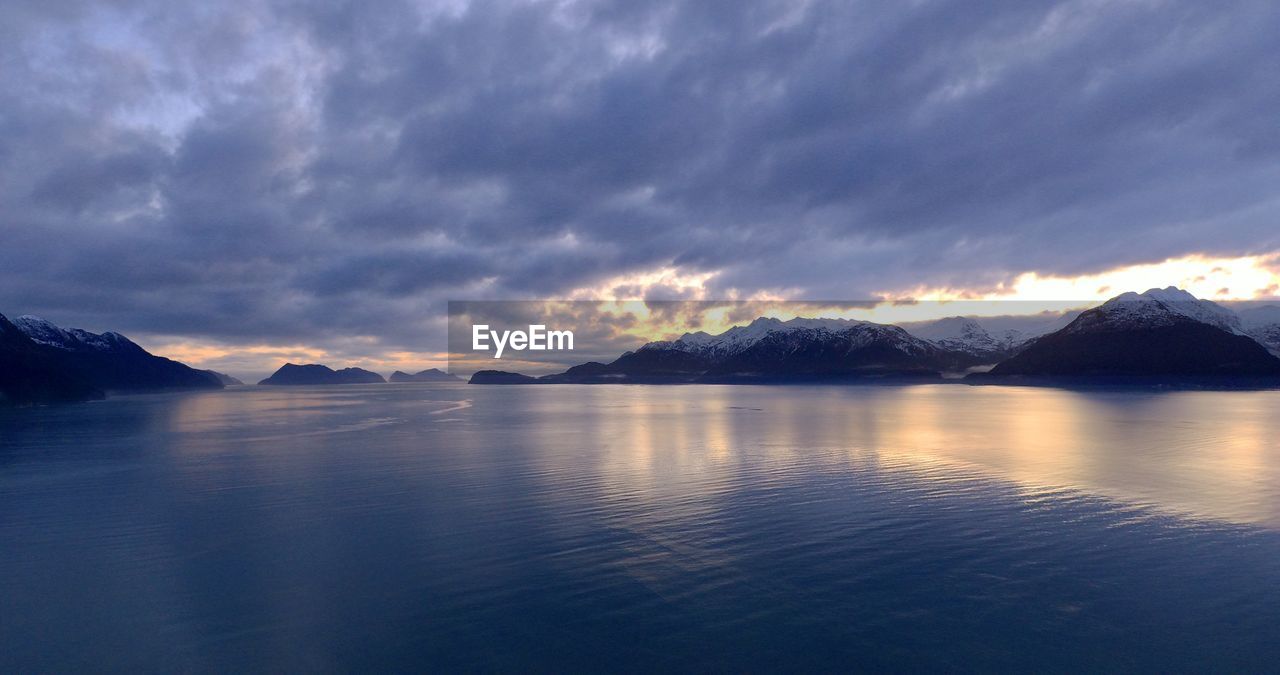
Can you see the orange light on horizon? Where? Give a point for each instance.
(267, 357)
(1241, 278)
(1216, 278)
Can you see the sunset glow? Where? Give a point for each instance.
(263, 358)
(1242, 278)
(1029, 293)
(1220, 279)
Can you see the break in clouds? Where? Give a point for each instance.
(301, 173)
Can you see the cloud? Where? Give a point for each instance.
(305, 173)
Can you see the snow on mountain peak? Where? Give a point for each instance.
(949, 328)
(1154, 307)
(1158, 304)
(35, 322)
(47, 333)
(739, 338)
(1171, 294)
(43, 332)
(962, 334)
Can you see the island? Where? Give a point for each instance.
(428, 375)
(313, 373)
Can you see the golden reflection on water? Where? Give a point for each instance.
(1207, 454)
(1211, 454)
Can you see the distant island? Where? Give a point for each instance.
(312, 373)
(1162, 335)
(41, 362)
(504, 377)
(429, 375)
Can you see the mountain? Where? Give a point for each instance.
(989, 339)
(1164, 304)
(292, 374)
(1263, 325)
(650, 364)
(967, 336)
(110, 361)
(742, 338)
(70, 339)
(225, 379)
(1018, 329)
(1162, 333)
(31, 373)
(501, 377)
(854, 350)
(429, 375)
(770, 350)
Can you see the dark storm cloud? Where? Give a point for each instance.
(309, 171)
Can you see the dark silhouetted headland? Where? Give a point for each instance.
(501, 377)
(429, 375)
(43, 363)
(293, 374)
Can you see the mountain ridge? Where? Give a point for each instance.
(313, 373)
(428, 375)
(1161, 332)
(31, 375)
(44, 362)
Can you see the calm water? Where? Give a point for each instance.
(688, 528)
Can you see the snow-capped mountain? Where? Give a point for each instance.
(739, 338)
(108, 360)
(791, 335)
(961, 332)
(74, 339)
(31, 373)
(1162, 307)
(988, 339)
(968, 336)
(855, 349)
(770, 349)
(1165, 305)
(1160, 333)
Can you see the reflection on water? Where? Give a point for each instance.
(1210, 454)
(1205, 454)
(569, 527)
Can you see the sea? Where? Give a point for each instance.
(627, 528)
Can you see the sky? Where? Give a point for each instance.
(238, 184)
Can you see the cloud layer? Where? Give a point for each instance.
(309, 173)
